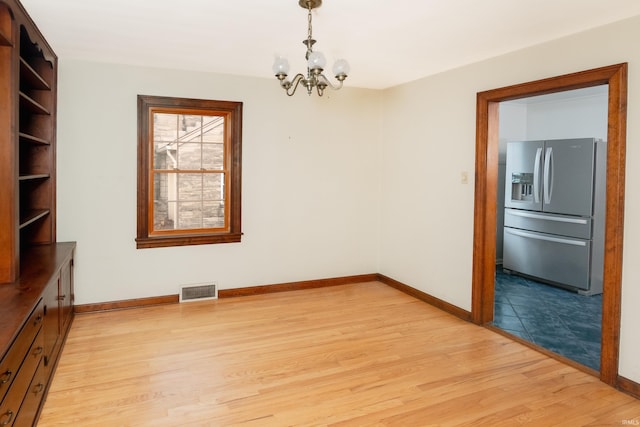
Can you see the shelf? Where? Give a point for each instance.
(32, 105)
(31, 76)
(33, 177)
(32, 216)
(25, 137)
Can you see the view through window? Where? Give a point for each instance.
(188, 173)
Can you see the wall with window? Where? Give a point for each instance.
(309, 188)
(429, 136)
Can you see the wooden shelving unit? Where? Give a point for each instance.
(27, 138)
(36, 175)
(36, 272)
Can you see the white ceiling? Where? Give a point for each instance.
(386, 42)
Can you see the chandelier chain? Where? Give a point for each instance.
(309, 31)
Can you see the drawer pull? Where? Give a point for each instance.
(6, 377)
(62, 297)
(9, 416)
(38, 351)
(38, 388)
(37, 320)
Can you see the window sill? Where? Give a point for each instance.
(207, 239)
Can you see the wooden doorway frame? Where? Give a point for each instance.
(486, 183)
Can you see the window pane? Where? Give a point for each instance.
(189, 156)
(188, 201)
(189, 186)
(213, 214)
(190, 128)
(213, 187)
(165, 127)
(213, 129)
(213, 156)
(179, 139)
(164, 201)
(164, 155)
(189, 215)
(165, 133)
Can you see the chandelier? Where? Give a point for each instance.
(315, 64)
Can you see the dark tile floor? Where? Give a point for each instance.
(559, 320)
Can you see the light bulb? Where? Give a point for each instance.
(316, 60)
(341, 68)
(280, 66)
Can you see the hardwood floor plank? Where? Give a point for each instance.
(349, 355)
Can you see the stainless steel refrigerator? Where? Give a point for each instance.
(554, 212)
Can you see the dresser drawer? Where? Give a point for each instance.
(16, 393)
(12, 361)
(32, 400)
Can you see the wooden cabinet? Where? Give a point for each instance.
(24, 358)
(52, 323)
(65, 296)
(35, 317)
(28, 82)
(58, 312)
(16, 368)
(36, 273)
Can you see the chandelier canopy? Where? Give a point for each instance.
(315, 64)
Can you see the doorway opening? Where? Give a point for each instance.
(550, 221)
(487, 150)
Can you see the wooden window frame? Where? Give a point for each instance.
(232, 232)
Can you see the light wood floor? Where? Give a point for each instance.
(353, 355)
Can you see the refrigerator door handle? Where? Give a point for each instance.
(536, 176)
(548, 175)
(547, 217)
(537, 236)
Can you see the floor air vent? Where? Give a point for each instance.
(198, 292)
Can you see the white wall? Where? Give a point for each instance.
(309, 193)
(574, 117)
(428, 138)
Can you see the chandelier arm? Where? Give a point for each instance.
(327, 82)
(293, 85)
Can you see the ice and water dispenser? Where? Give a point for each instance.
(522, 186)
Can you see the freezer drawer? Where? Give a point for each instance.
(557, 259)
(573, 226)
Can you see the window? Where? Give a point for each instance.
(189, 171)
